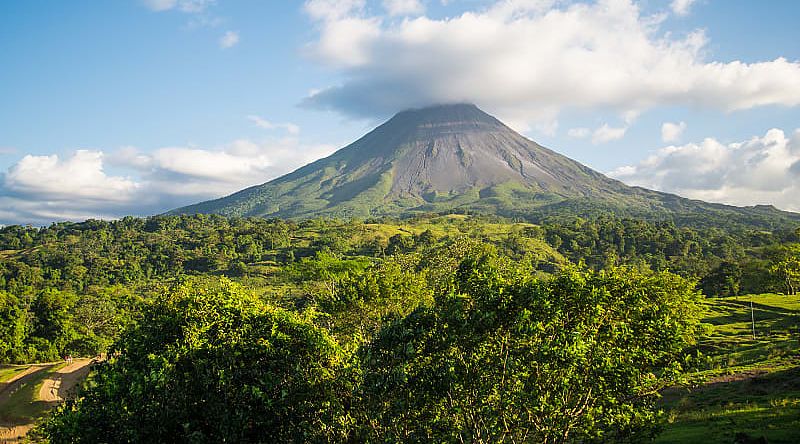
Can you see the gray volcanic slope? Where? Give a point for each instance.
(454, 158)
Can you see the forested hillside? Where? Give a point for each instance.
(436, 328)
(71, 287)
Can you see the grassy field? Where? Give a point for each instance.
(7, 372)
(749, 385)
(22, 404)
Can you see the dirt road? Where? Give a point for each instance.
(10, 386)
(60, 383)
(57, 386)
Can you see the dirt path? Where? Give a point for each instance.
(11, 386)
(61, 382)
(9, 432)
(55, 388)
(11, 382)
(14, 433)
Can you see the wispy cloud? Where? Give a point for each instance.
(606, 133)
(672, 132)
(403, 7)
(681, 7)
(578, 133)
(260, 122)
(187, 6)
(229, 39)
(199, 16)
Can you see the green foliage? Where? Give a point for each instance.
(498, 355)
(507, 358)
(52, 321)
(96, 266)
(606, 241)
(360, 304)
(786, 265)
(14, 325)
(209, 362)
(725, 280)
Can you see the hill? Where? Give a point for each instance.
(457, 158)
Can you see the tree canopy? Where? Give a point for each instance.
(499, 356)
(212, 363)
(507, 358)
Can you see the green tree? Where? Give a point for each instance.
(506, 358)
(786, 265)
(399, 244)
(362, 302)
(725, 280)
(209, 362)
(14, 326)
(52, 314)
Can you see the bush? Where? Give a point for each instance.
(509, 358)
(209, 362)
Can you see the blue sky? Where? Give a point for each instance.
(134, 107)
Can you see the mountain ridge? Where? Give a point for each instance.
(456, 157)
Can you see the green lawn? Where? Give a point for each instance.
(9, 371)
(750, 385)
(22, 406)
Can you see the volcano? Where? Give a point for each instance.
(457, 158)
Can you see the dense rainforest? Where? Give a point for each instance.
(437, 328)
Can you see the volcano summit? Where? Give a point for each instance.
(459, 158)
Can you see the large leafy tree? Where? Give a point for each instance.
(786, 266)
(506, 358)
(725, 280)
(209, 362)
(14, 326)
(360, 303)
(53, 325)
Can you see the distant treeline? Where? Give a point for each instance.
(71, 287)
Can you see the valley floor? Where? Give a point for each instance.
(752, 388)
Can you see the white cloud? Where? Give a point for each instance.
(160, 5)
(42, 189)
(403, 7)
(672, 132)
(260, 122)
(344, 42)
(546, 127)
(188, 6)
(606, 133)
(333, 9)
(215, 172)
(681, 7)
(762, 170)
(216, 165)
(596, 56)
(80, 175)
(578, 133)
(229, 39)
